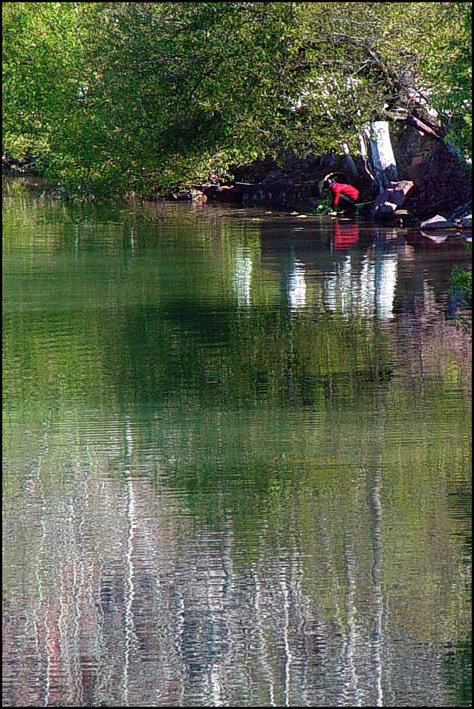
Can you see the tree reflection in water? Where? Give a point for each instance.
(227, 477)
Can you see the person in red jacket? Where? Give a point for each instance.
(347, 194)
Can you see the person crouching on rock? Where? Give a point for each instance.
(345, 194)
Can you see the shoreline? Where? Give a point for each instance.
(265, 193)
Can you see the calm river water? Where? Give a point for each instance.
(236, 460)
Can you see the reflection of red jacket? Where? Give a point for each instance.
(345, 235)
(339, 188)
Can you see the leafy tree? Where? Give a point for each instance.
(41, 73)
(447, 71)
(360, 62)
(189, 88)
(153, 97)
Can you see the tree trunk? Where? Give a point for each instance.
(349, 162)
(383, 159)
(363, 147)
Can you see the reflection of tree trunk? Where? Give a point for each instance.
(326, 545)
(76, 593)
(69, 657)
(377, 556)
(216, 688)
(288, 656)
(129, 564)
(48, 660)
(40, 609)
(351, 610)
(262, 642)
(180, 614)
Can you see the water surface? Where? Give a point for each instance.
(236, 460)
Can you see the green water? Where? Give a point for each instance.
(236, 460)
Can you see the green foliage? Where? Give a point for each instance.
(461, 281)
(367, 57)
(41, 74)
(446, 70)
(323, 207)
(460, 286)
(153, 97)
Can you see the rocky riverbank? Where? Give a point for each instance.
(432, 180)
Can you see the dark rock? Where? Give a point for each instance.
(461, 211)
(185, 196)
(310, 203)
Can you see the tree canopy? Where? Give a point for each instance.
(155, 96)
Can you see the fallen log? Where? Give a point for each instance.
(423, 127)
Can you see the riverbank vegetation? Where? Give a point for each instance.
(155, 97)
(461, 283)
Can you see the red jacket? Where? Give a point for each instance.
(339, 189)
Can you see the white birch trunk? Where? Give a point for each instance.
(383, 159)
